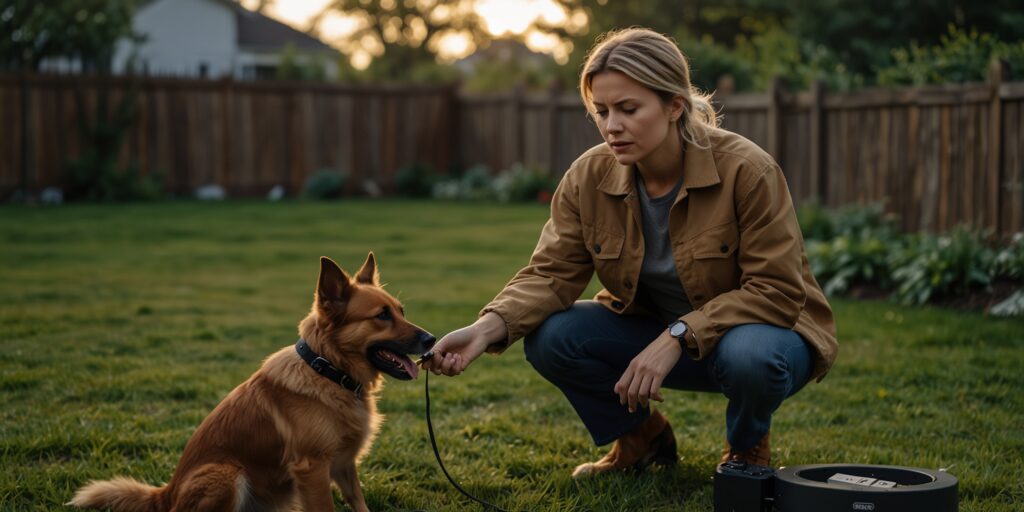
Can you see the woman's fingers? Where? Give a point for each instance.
(634, 392)
(644, 392)
(622, 386)
(655, 389)
(450, 364)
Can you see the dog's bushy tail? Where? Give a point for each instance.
(120, 495)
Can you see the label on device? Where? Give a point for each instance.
(884, 483)
(850, 479)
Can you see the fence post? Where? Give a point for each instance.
(554, 95)
(775, 118)
(817, 176)
(997, 73)
(24, 186)
(227, 99)
(517, 127)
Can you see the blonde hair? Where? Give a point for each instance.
(656, 62)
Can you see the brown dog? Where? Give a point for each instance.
(287, 432)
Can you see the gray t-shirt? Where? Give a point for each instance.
(659, 283)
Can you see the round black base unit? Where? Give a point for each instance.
(863, 488)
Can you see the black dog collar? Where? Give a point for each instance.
(326, 369)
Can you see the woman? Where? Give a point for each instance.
(693, 235)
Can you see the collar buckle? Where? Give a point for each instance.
(351, 383)
(319, 364)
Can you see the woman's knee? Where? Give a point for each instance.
(752, 358)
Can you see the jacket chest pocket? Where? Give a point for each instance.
(602, 245)
(715, 258)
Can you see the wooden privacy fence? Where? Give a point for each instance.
(940, 155)
(245, 136)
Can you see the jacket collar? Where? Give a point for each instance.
(699, 170)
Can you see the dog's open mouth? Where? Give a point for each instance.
(393, 362)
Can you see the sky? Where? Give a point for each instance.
(502, 17)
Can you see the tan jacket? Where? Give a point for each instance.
(735, 237)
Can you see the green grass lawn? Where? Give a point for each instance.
(122, 326)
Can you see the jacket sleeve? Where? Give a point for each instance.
(558, 272)
(770, 256)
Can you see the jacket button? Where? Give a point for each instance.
(597, 248)
(724, 248)
(617, 304)
(628, 284)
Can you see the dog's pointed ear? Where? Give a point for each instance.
(368, 274)
(334, 285)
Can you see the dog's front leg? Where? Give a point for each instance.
(345, 475)
(313, 483)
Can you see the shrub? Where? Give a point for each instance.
(936, 266)
(815, 221)
(414, 180)
(474, 184)
(325, 184)
(95, 177)
(1009, 262)
(961, 56)
(522, 184)
(97, 174)
(1012, 306)
(852, 259)
(854, 219)
(446, 189)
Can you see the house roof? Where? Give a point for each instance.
(256, 31)
(260, 32)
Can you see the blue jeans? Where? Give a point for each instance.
(585, 349)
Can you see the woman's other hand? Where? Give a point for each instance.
(459, 348)
(642, 379)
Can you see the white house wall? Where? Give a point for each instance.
(184, 37)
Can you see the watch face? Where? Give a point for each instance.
(677, 329)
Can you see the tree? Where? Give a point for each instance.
(863, 33)
(86, 30)
(704, 30)
(404, 37)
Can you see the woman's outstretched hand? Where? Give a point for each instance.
(643, 377)
(459, 348)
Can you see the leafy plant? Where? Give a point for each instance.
(938, 266)
(961, 56)
(521, 183)
(474, 184)
(819, 223)
(415, 180)
(1012, 306)
(325, 184)
(852, 259)
(816, 222)
(1009, 261)
(97, 174)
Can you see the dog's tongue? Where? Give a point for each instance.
(410, 367)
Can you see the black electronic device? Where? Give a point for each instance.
(740, 487)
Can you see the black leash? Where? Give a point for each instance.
(437, 454)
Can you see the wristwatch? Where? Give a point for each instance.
(678, 330)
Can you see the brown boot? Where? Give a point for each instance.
(650, 442)
(760, 454)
